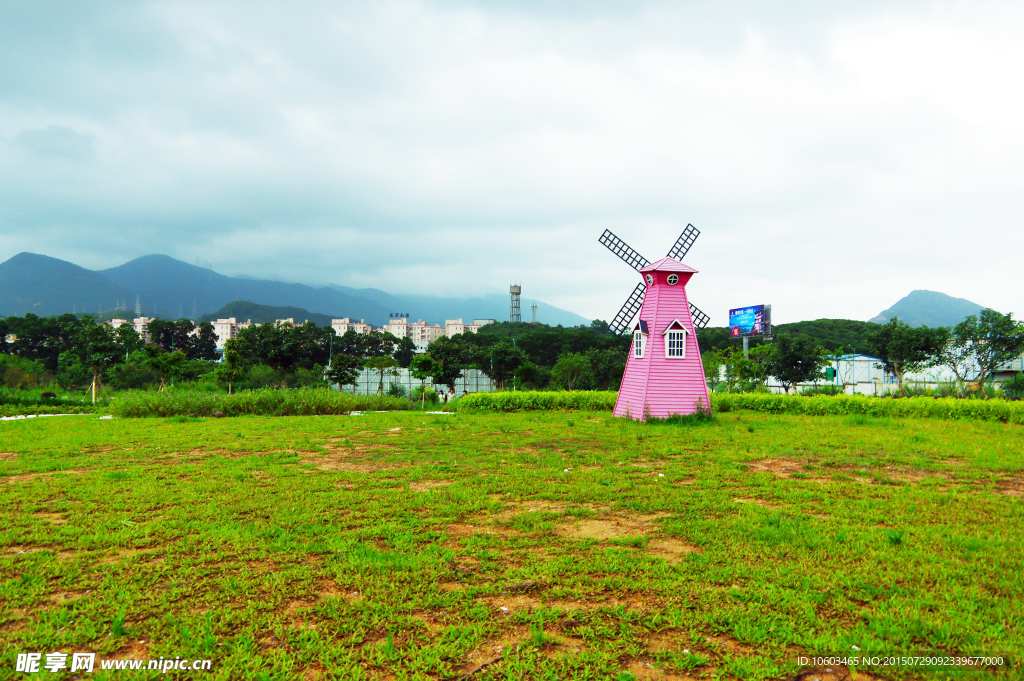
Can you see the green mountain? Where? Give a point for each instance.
(47, 286)
(172, 288)
(832, 334)
(489, 306)
(259, 314)
(929, 308)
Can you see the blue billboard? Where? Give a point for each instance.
(754, 320)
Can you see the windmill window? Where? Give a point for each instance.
(638, 343)
(650, 280)
(673, 279)
(675, 340)
(676, 345)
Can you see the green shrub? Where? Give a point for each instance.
(32, 402)
(528, 400)
(265, 402)
(52, 408)
(908, 407)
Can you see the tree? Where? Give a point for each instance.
(344, 369)
(404, 351)
(279, 347)
(607, 367)
(712, 362)
(500, 361)
(128, 339)
(735, 364)
(796, 360)
(230, 370)
(453, 354)
(166, 364)
(978, 345)
(572, 371)
(71, 373)
(756, 368)
(44, 339)
(171, 335)
(202, 345)
(377, 343)
(382, 365)
(423, 367)
(97, 349)
(904, 348)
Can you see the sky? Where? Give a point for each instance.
(835, 156)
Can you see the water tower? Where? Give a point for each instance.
(513, 313)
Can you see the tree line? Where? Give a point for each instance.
(77, 352)
(973, 350)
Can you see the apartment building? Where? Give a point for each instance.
(227, 329)
(453, 327)
(140, 324)
(344, 325)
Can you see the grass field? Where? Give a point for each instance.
(552, 545)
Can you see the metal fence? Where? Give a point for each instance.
(369, 382)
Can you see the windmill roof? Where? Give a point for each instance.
(667, 265)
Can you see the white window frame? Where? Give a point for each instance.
(638, 344)
(673, 279)
(649, 279)
(675, 327)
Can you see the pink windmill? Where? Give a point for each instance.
(664, 373)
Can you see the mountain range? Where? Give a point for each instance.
(170, 288)
(929, 308)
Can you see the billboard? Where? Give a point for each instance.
(753, 320)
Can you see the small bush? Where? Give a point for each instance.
(527, 400)
(699, 418)
(265, 402)
(840, 405)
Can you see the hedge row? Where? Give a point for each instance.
(907, 407)
(27, 409)
(265, 402)
(576, 400)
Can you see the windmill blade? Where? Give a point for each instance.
(700, 320)
(622, 249)
(683, 243)
(620, 324)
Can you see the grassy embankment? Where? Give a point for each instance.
(568, 545)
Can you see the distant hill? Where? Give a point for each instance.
(831, 334)
(47, 286)
(929, 308)
(491, 306)
(244, 310)
(171, 286)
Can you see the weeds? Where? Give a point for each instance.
(264, 402)
(408, 545)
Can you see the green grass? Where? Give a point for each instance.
(570, 546)
(263, 402)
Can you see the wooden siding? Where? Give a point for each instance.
(656, 384)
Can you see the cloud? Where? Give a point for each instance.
(834, 158)
(57, 141)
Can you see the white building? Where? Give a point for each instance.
(344, 325)
(453, 327)
(423, 334)
(227, 329)
(140, 324)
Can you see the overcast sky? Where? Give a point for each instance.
(834, 158)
